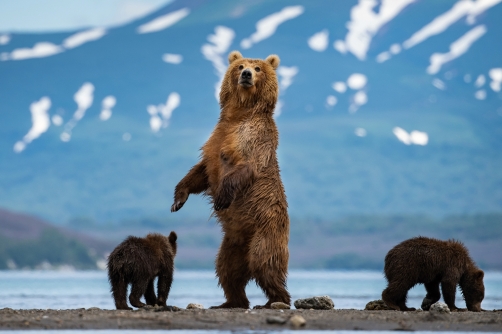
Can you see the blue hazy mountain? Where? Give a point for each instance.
(339, 150)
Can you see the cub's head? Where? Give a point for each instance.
(473, 289)
(250, 82)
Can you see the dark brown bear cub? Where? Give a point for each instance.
(137, 261)
(432, 262)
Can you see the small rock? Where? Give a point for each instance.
(316, 303)
(93, 309)
(439, 308)
(276, 320)
(297, 321)
(376, 305)
(279, 306)
(194, 306)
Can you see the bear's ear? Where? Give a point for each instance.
(479, 275)
(273, 60)
(233, 56)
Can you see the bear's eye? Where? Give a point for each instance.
(257, 69)
(241, 67)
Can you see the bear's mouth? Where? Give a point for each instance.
(245, 83)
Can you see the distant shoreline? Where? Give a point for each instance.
(240, 319)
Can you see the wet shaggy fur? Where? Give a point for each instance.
(137, 261)
(432, 262)
(239, 171)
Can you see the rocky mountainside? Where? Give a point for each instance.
(390, 106)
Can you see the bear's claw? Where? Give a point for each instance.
(176, 206)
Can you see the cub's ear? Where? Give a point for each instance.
(173, 237)
(233, 56)
(273, 60)
(479, 275)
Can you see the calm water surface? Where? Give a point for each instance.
(70, 290)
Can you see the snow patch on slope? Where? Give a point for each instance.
(163, 22)
(462, 8)
(160, 115)
(83, 98)
(457, 48)
(83, 37)
(267, 26)
(365, 23)
(214, 52)
(40, 123)
(39, 50)
(415, 137)
(47, 49)
(319, 41)
(4, 39)
(496, 76)
(106, 107)
(172, 58)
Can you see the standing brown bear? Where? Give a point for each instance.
(432, 262)
(239, 171)
(138, 261)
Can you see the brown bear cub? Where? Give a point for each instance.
(137, 261)
(239, 171)
(432, 262)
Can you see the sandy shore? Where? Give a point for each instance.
(94, 318)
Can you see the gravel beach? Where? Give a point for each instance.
(240, 319)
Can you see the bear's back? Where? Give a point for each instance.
(427, 259)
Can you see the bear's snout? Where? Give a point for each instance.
(246, 78)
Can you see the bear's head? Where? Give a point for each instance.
(250, 83)
(473, 289)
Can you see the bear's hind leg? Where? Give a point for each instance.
(137, 291)
(433, 294)
(273, 284)
(233, 274)
(269, 268)
(119, 292)
(150, 297)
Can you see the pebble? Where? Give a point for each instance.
(194, 306)
(276, 320)
(316, 303)
(279, 306)
(297, 321)
(376, 305)
(439, 307)
(93, 309)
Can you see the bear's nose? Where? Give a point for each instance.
(246, 74)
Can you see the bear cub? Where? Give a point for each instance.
(432, 262)
(137, 261)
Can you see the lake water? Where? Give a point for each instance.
(70, 290)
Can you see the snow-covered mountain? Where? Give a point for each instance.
(390, 106)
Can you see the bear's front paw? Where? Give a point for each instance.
(176, 206)
(222, 202)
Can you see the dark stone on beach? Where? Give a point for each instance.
(167, 309)
(316, 303)
(377, 305)
(276, 320)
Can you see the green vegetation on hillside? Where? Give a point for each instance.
(51, 247)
